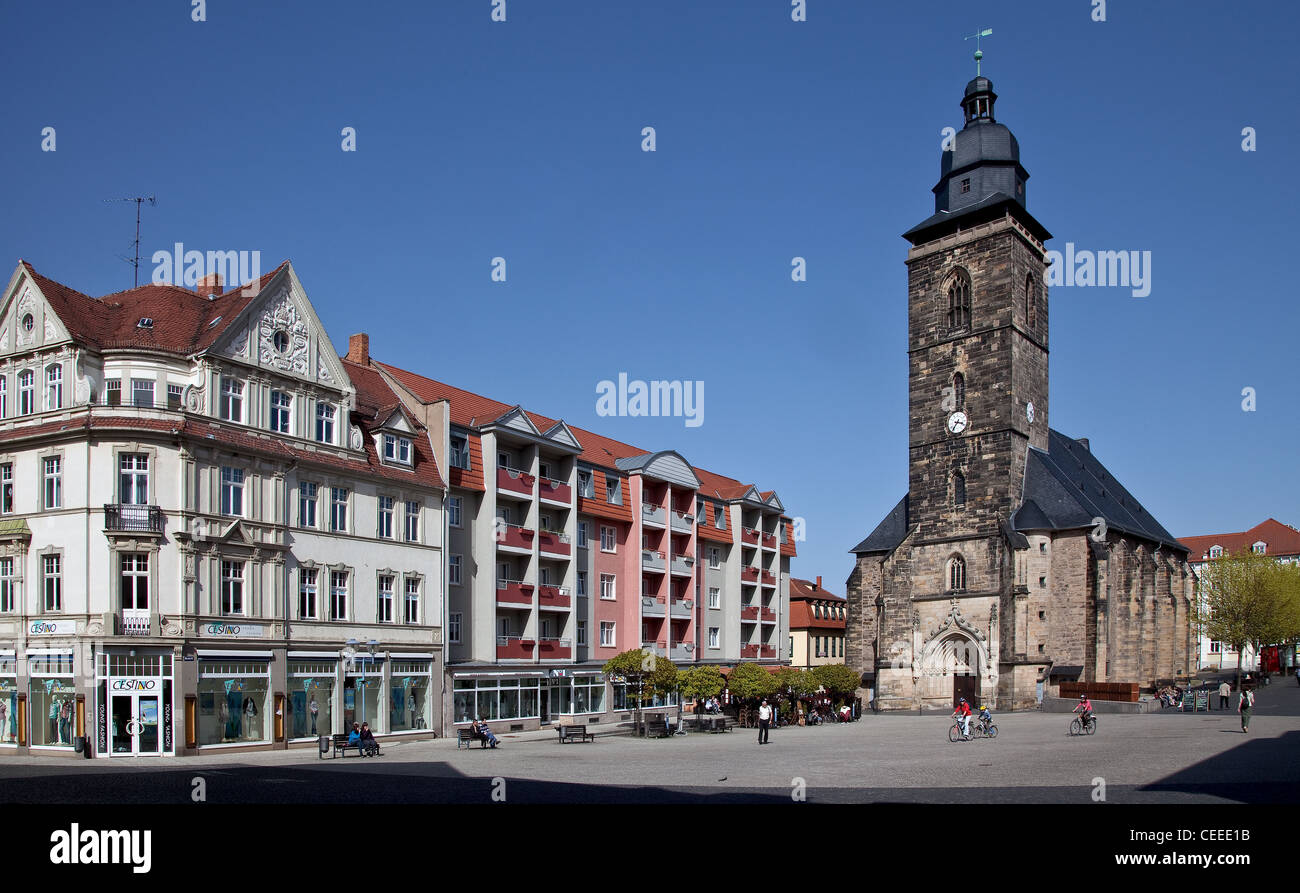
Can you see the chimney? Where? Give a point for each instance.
(209, 286)
(359, 349)
(1083, 442)
(819, 583)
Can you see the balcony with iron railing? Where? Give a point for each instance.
(554, 649)
(133, 622)
(554, 491)
(515, 537)
(553, 598)
(653, 515)
(514, 482)
(123, 518)
(514, 593)
(553, 542)
(515, 648)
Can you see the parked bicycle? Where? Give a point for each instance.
(1078, 727)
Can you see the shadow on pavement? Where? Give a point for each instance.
(1235, 774)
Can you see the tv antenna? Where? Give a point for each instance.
(135, 260)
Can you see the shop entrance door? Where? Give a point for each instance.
(135, 726)
(546, 705)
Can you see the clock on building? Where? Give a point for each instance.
(957, 422)
(1029, 412)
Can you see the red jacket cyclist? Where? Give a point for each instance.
(1086, 706)
(962, 713)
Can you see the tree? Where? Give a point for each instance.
(645, 673)
(750, 681)
(700, 682)
(1247, 598)
(794, 684)
(838, 679)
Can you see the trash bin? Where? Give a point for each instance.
(79, 744)
(323, 742)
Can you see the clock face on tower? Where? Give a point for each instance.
(1029, 412)
(957, 422)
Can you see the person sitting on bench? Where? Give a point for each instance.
(368, 744)
(481, 730)
(354, 737)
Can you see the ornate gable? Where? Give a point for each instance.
(27, 322)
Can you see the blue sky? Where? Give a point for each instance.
(775, 139)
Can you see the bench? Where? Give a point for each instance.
(578, 733)
(341, 746)
(466, 736)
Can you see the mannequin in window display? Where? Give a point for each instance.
(54, 720)
(250, 718)
(417, 721)
(65, 721)
(313, 708)
(223, 717)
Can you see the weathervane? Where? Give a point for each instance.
(987, 32)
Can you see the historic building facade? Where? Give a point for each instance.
(1015, 561)
(817, 621)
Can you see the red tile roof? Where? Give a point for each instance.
(1280, 539)
(802, 594)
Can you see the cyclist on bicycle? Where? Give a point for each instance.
(986, 718)
(962, 714)
(1086, 706)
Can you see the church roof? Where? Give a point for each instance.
(982, 211)
(1067, 488)
(888, 533)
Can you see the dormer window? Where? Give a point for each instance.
(1216, 551)
(459, 453)
(965, 184)
(1259, 548)
(397, 449)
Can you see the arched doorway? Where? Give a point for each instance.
(960, 657)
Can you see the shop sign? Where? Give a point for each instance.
(52, 628)
(233, 630)
(167, 726)
(134, 684)
(102, 722)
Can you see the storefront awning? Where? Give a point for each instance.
(329, 654)
(204, 652)
(410, 655)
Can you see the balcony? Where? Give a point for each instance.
(683, 523)
(516, 537)
(514, 648)
(651, 607)
(682, 652)
(659, 649)
(554, 491)
(683, 565)
(133, 622)
(749, 536)
(120, 518)
(555, 649)
(514, 593)
(652, 560)
(554, 543)
(554, 598)
(653, 515)
(748, 651)
(769, 541)
(682, 607)
(767, 651)
(769, 579)
(513, 482)
(749, 614)
(749, 575)
(768, 615)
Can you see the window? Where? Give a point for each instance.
(957, 573)
(453, 510)
(613, 490)
(412, 602)
(174, 394)
(582, 583)
(1042, 582)
(7, 488)
(1216, 551)
(397, 449)
(54, 387)
(142, 392)
(232, 588)
(715, 595)
(720, 517)
(307, 604)
(965, 184)
(958, 488)
(52, 583)
(113, 392)
(459, 453)
(232, 491)
(306, 504)
(582, 534)
(232, 399)
(412, 521)
(715, 557)
(585, 487)
(607, 586)
(26, 392)
(385, 599)
(133, 479)
(339, 595)
(339, 509)
(4, 396)
(1031, 305)
(453, 628)
(6, 587)
(324, 423)
(1216, 647)
(1259, 548)
(386, 517)
(135, 581)
(582, 632)
(453, 570)
(606, 634)
(958, 391)
(53, 482)
(959, 301)
(281, 404)
(606, 539)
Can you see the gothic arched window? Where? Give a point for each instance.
(957, 574)
(959, 300)
(959, 391)
(958, 489)
(1031, 305)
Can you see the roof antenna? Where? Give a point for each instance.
(135, 262)
(979, 54)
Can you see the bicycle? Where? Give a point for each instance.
(984, 729)
(1078, 727)
(955, 735)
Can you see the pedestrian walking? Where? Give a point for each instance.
(1297, 674)
(1244, 706)
(1225, 692)
(764, 720)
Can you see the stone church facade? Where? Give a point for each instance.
(1015, 561)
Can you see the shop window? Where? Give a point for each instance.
(311, 698)
(233, 702)
(52, 700)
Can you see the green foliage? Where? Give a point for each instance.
(1248, 599)
(700, 682)
(793, 683)
(837, 678)
(748, 681)
(645, 673)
